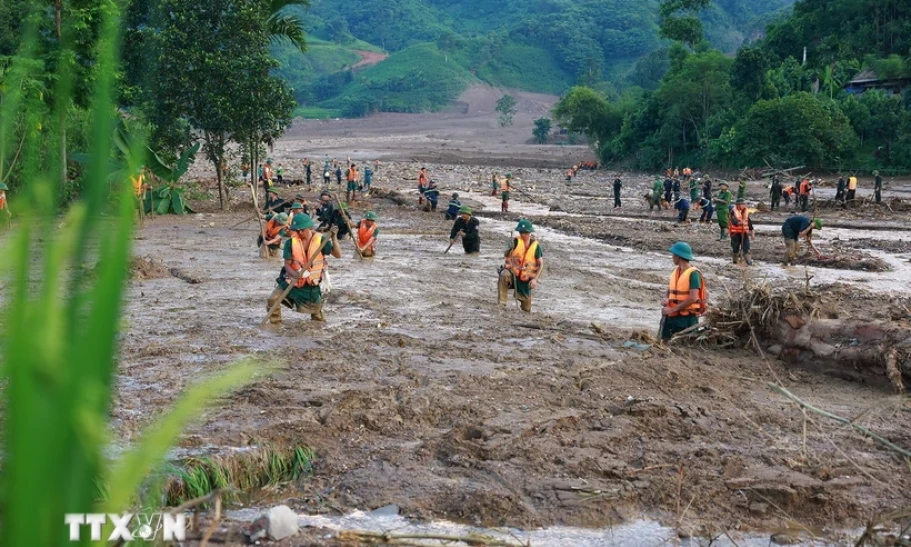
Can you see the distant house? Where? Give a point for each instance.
(867, 79)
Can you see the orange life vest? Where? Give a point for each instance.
(852, 183)
(364, 234)
(299, 259)
(679, 290)
(2, 202)
(804, 187)
(273, 228)
(504, 185)
(267, 172)
(743, 219)
(522, 261)
(352, 175)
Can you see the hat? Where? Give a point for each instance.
(3, 186)
(683, 250)
(297, 205)
(282, 218)
(524, 225)
(875, 173)
(817, 223)
(370, 215)
(465, 210)
(455, 195)
(325, 193)
(272, 191)
(301, 222)
(299, 197)
(723, 183)
(740, 201)
(509, 175)
(269, 160)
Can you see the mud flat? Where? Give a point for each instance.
(421, 392)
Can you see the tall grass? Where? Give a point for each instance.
(59, 340)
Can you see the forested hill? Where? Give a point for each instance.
(438, 47)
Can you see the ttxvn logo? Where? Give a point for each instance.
(129, 526)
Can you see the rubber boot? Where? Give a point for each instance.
(503, 287)
(736, 257)
(504, 207)
(748, 258)
(318, 314)
(525, 304)
(276, 316)
(721, 233)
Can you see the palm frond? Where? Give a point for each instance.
(287, 27)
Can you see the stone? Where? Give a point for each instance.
(386, 511)
(282, 522)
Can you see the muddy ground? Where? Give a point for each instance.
(420, 391)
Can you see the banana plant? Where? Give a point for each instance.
(169, 199)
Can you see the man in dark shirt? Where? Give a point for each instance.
(707, 189)
(775, 193)
(325, 210)
(618, 184)
(274, 203)
(877, 187)
(795, 228)
(467, 226)
(840, 188)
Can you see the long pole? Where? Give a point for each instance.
(341, 212)
(292, 283)
(263, 251)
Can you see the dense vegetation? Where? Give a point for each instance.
(765, 104)
(439, 47)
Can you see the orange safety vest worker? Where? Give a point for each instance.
(364, 234)
(300, 259)
(504, 185)
(743, 221)
(2, 200)
(352, 174)
(273, 228)
(267, 172)
(805, 187)
(679, 290)
(852, 183)
(522, 262)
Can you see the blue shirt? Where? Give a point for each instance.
(682, 205)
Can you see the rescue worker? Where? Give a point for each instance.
(787, 193)
(683, 206)
(707, 210)
(676, 172)
(775, 194)
(657, 189)
(694, 190)
(804, 193)
(274, 203)
(351, 189)
(308, 170)
(569, 175)
(877, 187)
(494, 184)
(304, 245)
(467, 227)
(686, 296)
(275, 231)
(618, 184)
(368, 178)
(326, 208)
(367, 232)
(279, 174)
(422, 184)
(668, 189)
(707, 188)
(852, 188)
(338, 221)
(452, 210)
(432, 193)
(524, 263)
(741, 231)
(793, 229)
(722, 209)
(327, 174)
(297, 209)
(676, 188)
(505, 188)
(741, 189)
(268, 172)
(338, 175)
(840, 188)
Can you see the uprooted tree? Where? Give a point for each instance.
(801, 326)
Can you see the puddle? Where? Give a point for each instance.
(640, 533)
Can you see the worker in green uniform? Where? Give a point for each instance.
(723, 209)
(305, 246)
(694, 190)
(524, 264)
(657, 190)
(742, 189)
(686, 294)
(877, 187)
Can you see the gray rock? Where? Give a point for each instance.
(386, 511)
(282, 522)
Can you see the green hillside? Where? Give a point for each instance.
(438, 47)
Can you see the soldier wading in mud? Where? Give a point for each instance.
(524, 263)
(303, 245)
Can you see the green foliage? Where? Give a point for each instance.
(287, 26)
(506, 106)
(678, 20)
(542, 130)
(795, 130)
(171, 173)
(750, 72)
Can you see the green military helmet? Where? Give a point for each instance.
(465, 210)
(740, 201)
(272, 191)
(370, 215)
(817, 223)
(269, 161)
(723, 183)
(3, 186)
(875, 173)
(524, 226)
(683, 250)
(509, 175)
(281, 218)
(301, 222)
(455, 195)
(297, 205)
(299, 197)
(325, 193)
